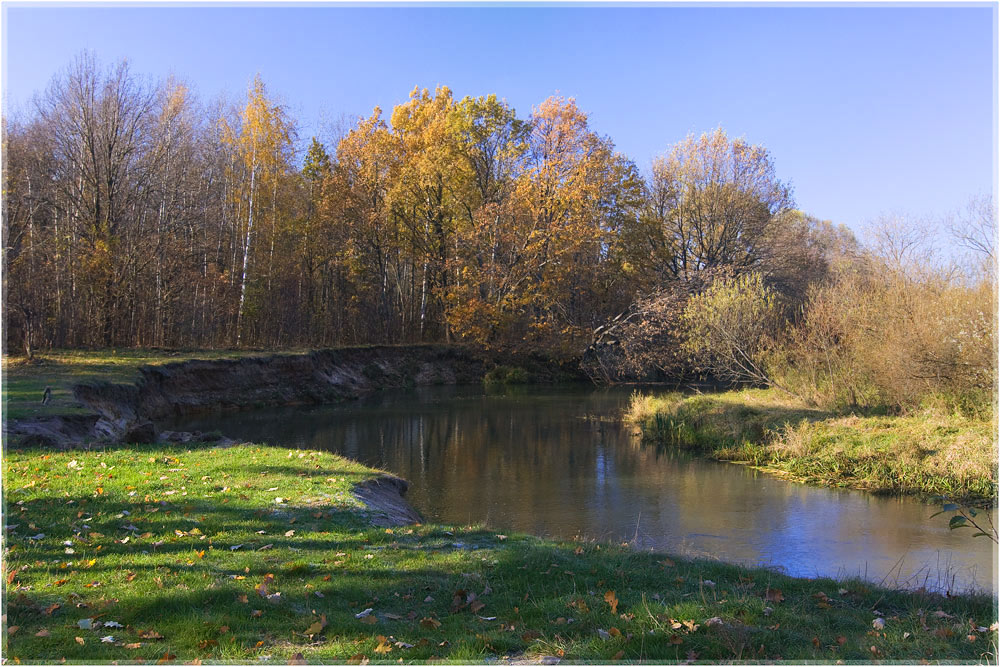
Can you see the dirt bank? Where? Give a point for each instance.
(126, 412)
(323, 376)
(384, 496)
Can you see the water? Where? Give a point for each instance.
(558, 462)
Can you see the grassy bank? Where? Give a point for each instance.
(253, 553)
(931, 453)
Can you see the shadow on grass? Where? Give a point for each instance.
(528, 588)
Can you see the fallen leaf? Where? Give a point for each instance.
(615, 632)
(79, 640)
(773, 595)
(134, 645)
(297, 659)
(317, 626)
(430, 623)
(42, 633)
(150, 634)
(612, 600)
(878, 623)
(357, 659)
(256, 613)
(383, 645)
(12, 629)
(165, 658)
(369, 620)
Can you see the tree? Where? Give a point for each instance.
(261, 143)
(579, 195)
(711, 201)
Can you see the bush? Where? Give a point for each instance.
(880, 338)
(729, 327)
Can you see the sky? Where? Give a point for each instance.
(866, 110)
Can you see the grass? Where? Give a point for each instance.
(927, 453)
(171, 548)
(25, 381)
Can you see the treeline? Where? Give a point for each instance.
(903, 322)
(135, 216)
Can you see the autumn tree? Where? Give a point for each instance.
(261, 145)
(711, 201)
(579, 195)
(490, 263)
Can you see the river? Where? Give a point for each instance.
(558, 462)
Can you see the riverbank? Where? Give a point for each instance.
(104, 396)
(253, 553)
(929, 453)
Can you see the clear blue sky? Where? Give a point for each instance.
(865, 109)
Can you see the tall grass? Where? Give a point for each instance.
(927, 453)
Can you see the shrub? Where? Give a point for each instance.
(729, 327)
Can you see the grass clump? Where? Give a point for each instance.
(252, 554)
(931, 452)
(506, 375)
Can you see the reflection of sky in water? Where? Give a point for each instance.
(556, 462)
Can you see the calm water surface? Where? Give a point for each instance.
(558, 462)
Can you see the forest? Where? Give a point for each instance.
(135, 215)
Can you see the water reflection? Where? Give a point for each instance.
(557, 462)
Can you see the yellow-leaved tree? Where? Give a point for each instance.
(260, 144)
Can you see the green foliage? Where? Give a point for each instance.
(506, 375)
(730, 325)
(977, 517)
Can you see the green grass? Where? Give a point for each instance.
(151, 532)
(25, 381)
(926, 453)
